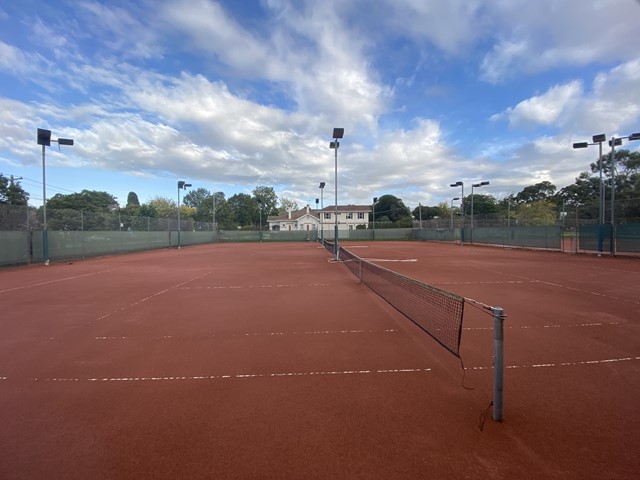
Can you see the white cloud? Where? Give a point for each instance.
(545, 109)
(538, 36)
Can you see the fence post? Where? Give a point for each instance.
(498, 361)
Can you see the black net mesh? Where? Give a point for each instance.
(437, 312)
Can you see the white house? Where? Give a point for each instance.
(349, 217)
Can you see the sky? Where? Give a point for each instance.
(229, 95)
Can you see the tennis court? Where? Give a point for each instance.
(272, 361)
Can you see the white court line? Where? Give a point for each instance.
(525, 327)
(573, 289)
(256, 334)
(562, 364)
(239, 287)
(52, 281)
(233, 376)
(126, 307)
(390, 260)
(318, 373)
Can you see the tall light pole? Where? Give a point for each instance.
(373, 218)
(461, 184)
(182, 185)
(213, 212)
(44, 139)
(474, 185)
(260, 208)
(615, 141)
(337, 133)
(452, 200)
(322, 184)
(597, 140)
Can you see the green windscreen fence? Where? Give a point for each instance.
(588, 237)
(14, 247)
(545, 237)
(628, 238)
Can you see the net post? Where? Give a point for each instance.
(498, 361)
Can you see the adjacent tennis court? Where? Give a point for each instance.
(273, 361)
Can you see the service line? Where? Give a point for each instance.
(253, 334)
(561, 364)
(65, 279)
(318, 373)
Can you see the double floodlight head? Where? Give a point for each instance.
(182, 184)
(44, 138)
(457, 184)
(615, 141)
(375, 199)
(634, 136)
(480, 184)
(455, 198)
(581, 145)
(599, 138)
(338, 133)
(322, 184)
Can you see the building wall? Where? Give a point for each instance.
(308, 222)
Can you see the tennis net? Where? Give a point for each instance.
(437, 312)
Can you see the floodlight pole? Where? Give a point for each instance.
(452, 200)
(322, 184)
(45, 233)
(474, 185)
(44, 139)
(597, 140)
(461, 184)
(373, 218)
(613, 192)
(260, 209)
(182, 185)
(337, 133)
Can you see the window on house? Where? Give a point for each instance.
(327, 216)
(360, 215)
(349, 216)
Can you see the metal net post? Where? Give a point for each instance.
(498, 361)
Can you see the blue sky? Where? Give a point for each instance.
(228, 95)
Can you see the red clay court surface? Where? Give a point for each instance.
(270, 361)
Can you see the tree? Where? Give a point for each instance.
(286, 204)
(482, 204)
(533, 193)
(11, 193)
(132, 200)
(163, 207)
(244, 209)
(268, 199)
(541, 212)
(86, 200)
(394, 210)
(427, 213)
(194, 198)
(583, 194)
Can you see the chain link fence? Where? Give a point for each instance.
(23, 218)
